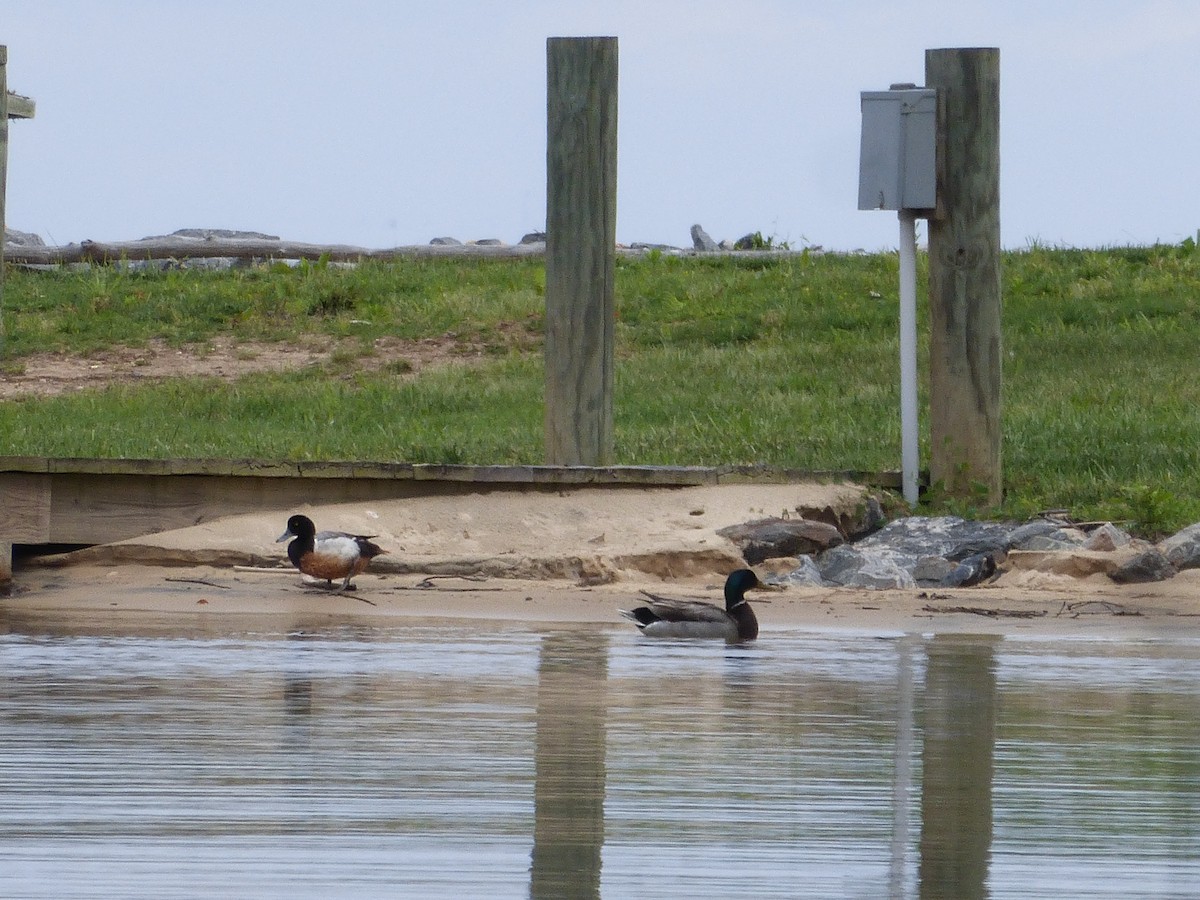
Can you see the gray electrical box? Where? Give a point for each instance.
(897, 166)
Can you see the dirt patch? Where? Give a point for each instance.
(53, 374)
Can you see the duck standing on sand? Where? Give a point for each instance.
(328, 554)
(664, 617)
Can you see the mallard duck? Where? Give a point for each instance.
(328, 554)
(664, 617)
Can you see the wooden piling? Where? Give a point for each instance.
(581, 213)
(964, 277)
(5, 545)
(3, 181)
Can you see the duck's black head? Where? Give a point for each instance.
(299, 527)
(736, 586)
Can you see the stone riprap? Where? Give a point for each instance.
(948, 551)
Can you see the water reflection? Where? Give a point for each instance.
(568, 829)
(452, 760)
(959, 723)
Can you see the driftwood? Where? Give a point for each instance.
(262, 249)
(241, 248)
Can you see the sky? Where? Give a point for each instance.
(381, 124)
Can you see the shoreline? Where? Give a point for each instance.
(134, 599)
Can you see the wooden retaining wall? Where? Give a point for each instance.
(93, 501)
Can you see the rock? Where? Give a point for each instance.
(774, 537)
(1107, 537)
(946, 551)
(971, 571)
(701, 240)
(1183, 548)
(445, 242)
(805, 573)
(22, 238)
(948, 536)
(1059, 539)
(488, 242)
(747, 241)
(1149, 565)
(664, 248)
(534, 237)
(930, 570)
(863, 521)
(881, 574)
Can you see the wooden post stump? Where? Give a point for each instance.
(964, 277)
(581, 213)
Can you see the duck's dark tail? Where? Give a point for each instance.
(368, 549)
(642, 616)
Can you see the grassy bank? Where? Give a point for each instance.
(789, 362)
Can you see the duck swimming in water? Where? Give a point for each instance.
(328, 554)
(664, 617)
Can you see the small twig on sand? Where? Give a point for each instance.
(202, 581)
(426, 584)
(990, 613)
(1079, 608)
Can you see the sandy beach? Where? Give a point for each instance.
(553, 557)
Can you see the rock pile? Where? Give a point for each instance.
(948, 551)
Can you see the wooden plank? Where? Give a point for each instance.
(91, 501)
(964, 277)
(25, 508)
(581, 212)
(427, 473)
(95, 508)
(20, 107)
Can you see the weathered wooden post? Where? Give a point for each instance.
(964, 276)
(18, 108)
(581, 214)
(5, 544)
(3, 191)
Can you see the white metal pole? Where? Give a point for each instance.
(909, 434)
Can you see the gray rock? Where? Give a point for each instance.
(1056, 537)
(534, 237)
(488, 242)
(971, 571)
(948, 536)
(1030, 530)
(772, 538)
(445, 242)
(1183, 548)
(747, 241)
(665, 248)
(22, 238)
(701, 240)
(1149, 565)
(930, 570)
(806, 574)
(881, 574)
(1107, 537)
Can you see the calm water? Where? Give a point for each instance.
(473, 760)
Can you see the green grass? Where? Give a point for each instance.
(789, 362)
